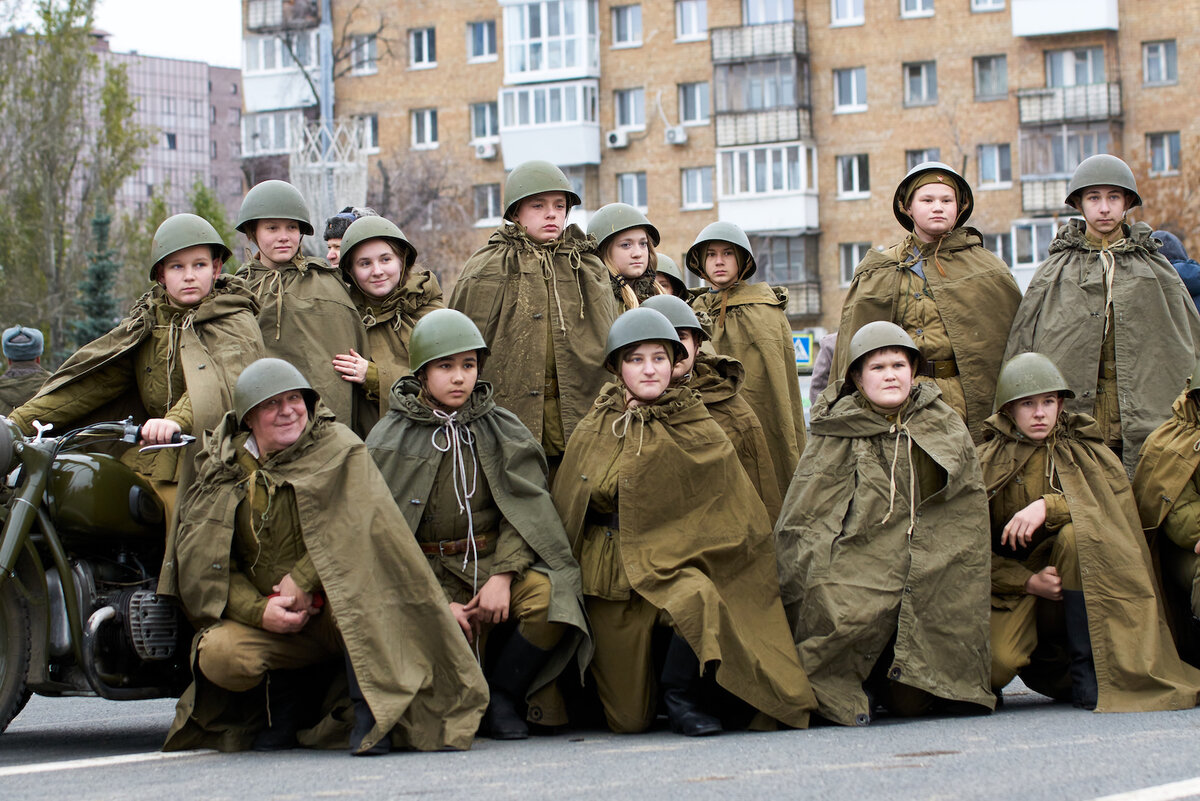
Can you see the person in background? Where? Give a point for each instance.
(822, 366)
(25, 374)
(335, 229)
(1171, 249)
(669, 278)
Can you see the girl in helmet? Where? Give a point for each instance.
(669, 278)
(377, 266)
(882, 544)
(625, 242)
(653, 558)
(1074, 609)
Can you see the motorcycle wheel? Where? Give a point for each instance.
(14, 653)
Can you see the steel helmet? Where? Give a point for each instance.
(677, 311)
(875, 336)
(365, 228)
(966, 200)
(614, 218)
(721, 232)
(274, 200)
(182, 231)
(1028, 374)
(667, 266)
(265, 379)
(442, 333)
(1102, 170)
(636, 326)
(533, 178)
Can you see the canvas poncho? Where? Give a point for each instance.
(973, 303)
(415, 668)
(756, 333)
(18, 385)
(307, 318)
(718, 379)
(852, 576)
(1137, 668)
(1156, 327)
(695, 540)
(389, 323)
(521, 295)
(403, 445)
(643, 286)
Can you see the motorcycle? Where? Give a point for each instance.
(81, 543)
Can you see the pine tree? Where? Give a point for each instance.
(95, 295)
(205, 204)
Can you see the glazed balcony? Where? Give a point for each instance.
(762, 127)
(1044, 195)
(1057, 17)
(1086, 103)
(747, 42)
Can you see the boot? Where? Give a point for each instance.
(364, 719)
(1084, 690)
(681, 683)
(285, 703)
(518, 663)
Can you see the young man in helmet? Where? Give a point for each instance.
(25, 374)
(543, 301)
(319, 573)
(1110, 312)
(1074, 602)
(306, 315)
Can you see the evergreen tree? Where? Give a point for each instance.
(205, 204)
(95, 295)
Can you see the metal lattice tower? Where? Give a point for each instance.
(329, 167)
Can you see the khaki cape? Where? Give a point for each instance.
(695, 540)
(851, 579)
(520, 294)
(414, 666)
(1137, 668)
(18, 386)
(402, 444)
(976, 298)
(1157, 329)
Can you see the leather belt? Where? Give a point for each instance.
(603, 519)
(451, 547)
(946, 368)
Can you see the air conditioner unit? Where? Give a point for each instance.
(485, 150)
(617, 139)
(676, 135)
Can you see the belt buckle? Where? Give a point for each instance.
(442, 547)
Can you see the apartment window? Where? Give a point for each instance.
(854, 176)
(631, 189)
(569, 103)
(169, 141)
(756, 85)
(212, 115)
(691, 19)
(849, 255)
(485, 121)
(1031, 242)
(1001, 245)
(1158, 63)
(422, 48)
(847, 12)
(303, 49)
(991, 77)
(370, 132)
(577, 178)
(425, 128)
(920, 83)
(786, 259)
(914, 157)
(234, 116)
(487, 204)
(268, 132)
(168, 105)
(767, 170)
(1074, 67)
(995, 166)
(1056, 152)
(627, 26)
(693, 103)
(1164, 152)
(697, 187)
(765, 12)
(363, 55)
(850, 90)
(916, 8)
(550, 36)
(264, 13)
(987, 5)
(212, 149)
(631, 108)
(481, 41)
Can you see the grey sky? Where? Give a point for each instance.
(199, 30)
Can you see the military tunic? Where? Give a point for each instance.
(19, 384)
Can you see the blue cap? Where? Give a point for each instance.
(22, 344)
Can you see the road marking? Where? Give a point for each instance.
(98, 762)
(1163, 792)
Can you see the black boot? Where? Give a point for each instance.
(1084, 690)
(518, 663)
(681, 684)
(285, 704)
(364, 719)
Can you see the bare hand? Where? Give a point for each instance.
(352, 366)
(1019, 531)
(1197, 548)
(1045, 584)
(279, 618)
(465, 620)
(159, 431)
(303, 601)
(490, 605)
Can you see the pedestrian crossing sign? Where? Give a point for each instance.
(803, 345)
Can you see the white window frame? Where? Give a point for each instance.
(1056, 152)
(1039, 229)
(1001, 245)
(991, 159)
(490, 111)
(984, 6)
(575, 102)
(916, 9)
(490, 194)
(271, 127)
(856, 104)
(926, 73)
(994, 61)
(1094, 65)
(488, 26)
(1166, 54)
(843, 13)
(849, 256)
(791, 271)
(532, 38)
(758, 85)
(767, 12)
(629, 108)
(920, 155)
(782, 169)
(370, 132)
(858, 162)
(264, 14)
(424, 122)
(629, 19)
(631, 189)
(691, 20)
(1159, 145)
(422, 42)
(697, 183)
(364, 55)
(700, 93)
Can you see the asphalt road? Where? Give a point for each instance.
(1032, 749)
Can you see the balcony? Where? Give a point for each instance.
(556, 122)
(270, 16)
(774, 212)
(804, 300)
(761, 127)
(1087, 103)
(1055, 17)
(270, 91)
(748, 42)
(1044, 195)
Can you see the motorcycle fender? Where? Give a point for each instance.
(30, 579)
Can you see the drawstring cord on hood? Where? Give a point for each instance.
(274, 285)
(175, 328)
(1109, 264)
(626, 418)
(901, 431)
(456, 435)
(259, 522)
